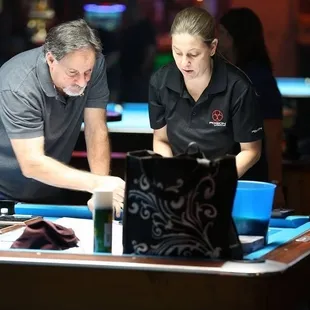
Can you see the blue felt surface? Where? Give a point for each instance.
(272, 231)
(53, 210)
(292, 221)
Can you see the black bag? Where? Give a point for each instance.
(180, 206)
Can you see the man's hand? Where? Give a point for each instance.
(118, 186)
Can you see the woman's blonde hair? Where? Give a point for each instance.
(196, 22)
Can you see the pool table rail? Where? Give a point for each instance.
(140, 263)
(292, 252)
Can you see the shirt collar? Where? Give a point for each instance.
(218, 82)
(44, 76)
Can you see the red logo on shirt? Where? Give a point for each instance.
(217, 116)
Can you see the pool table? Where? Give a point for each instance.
(135, 118)
(294, 87)
(276, 277)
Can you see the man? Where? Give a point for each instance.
(45, 94)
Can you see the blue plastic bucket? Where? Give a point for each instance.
(252, 207)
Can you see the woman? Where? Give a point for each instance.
(241, 40)
(202, 98)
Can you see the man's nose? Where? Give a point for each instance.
(81, 80)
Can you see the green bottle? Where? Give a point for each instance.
(103, 219)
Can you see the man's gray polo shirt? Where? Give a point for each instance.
(31, 107)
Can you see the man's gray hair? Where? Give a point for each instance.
(69, 37)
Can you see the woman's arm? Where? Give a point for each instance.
(248, 156)
(160, 142)
(157, 110)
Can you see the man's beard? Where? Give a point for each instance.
(79, 91)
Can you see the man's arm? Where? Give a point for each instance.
(36, 165)
(97, 141)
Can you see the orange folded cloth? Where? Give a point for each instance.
(46, 235)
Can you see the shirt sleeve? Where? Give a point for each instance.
(156, 108)
(98, 95)
(247, 120)
(21, 118)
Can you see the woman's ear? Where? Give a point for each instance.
(214, 45)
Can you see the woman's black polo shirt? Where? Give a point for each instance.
(226, 114)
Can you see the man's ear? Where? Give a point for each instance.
(50, 59)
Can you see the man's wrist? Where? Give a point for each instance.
(94, 182)
(101, 172)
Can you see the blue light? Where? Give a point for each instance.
(113, 8)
